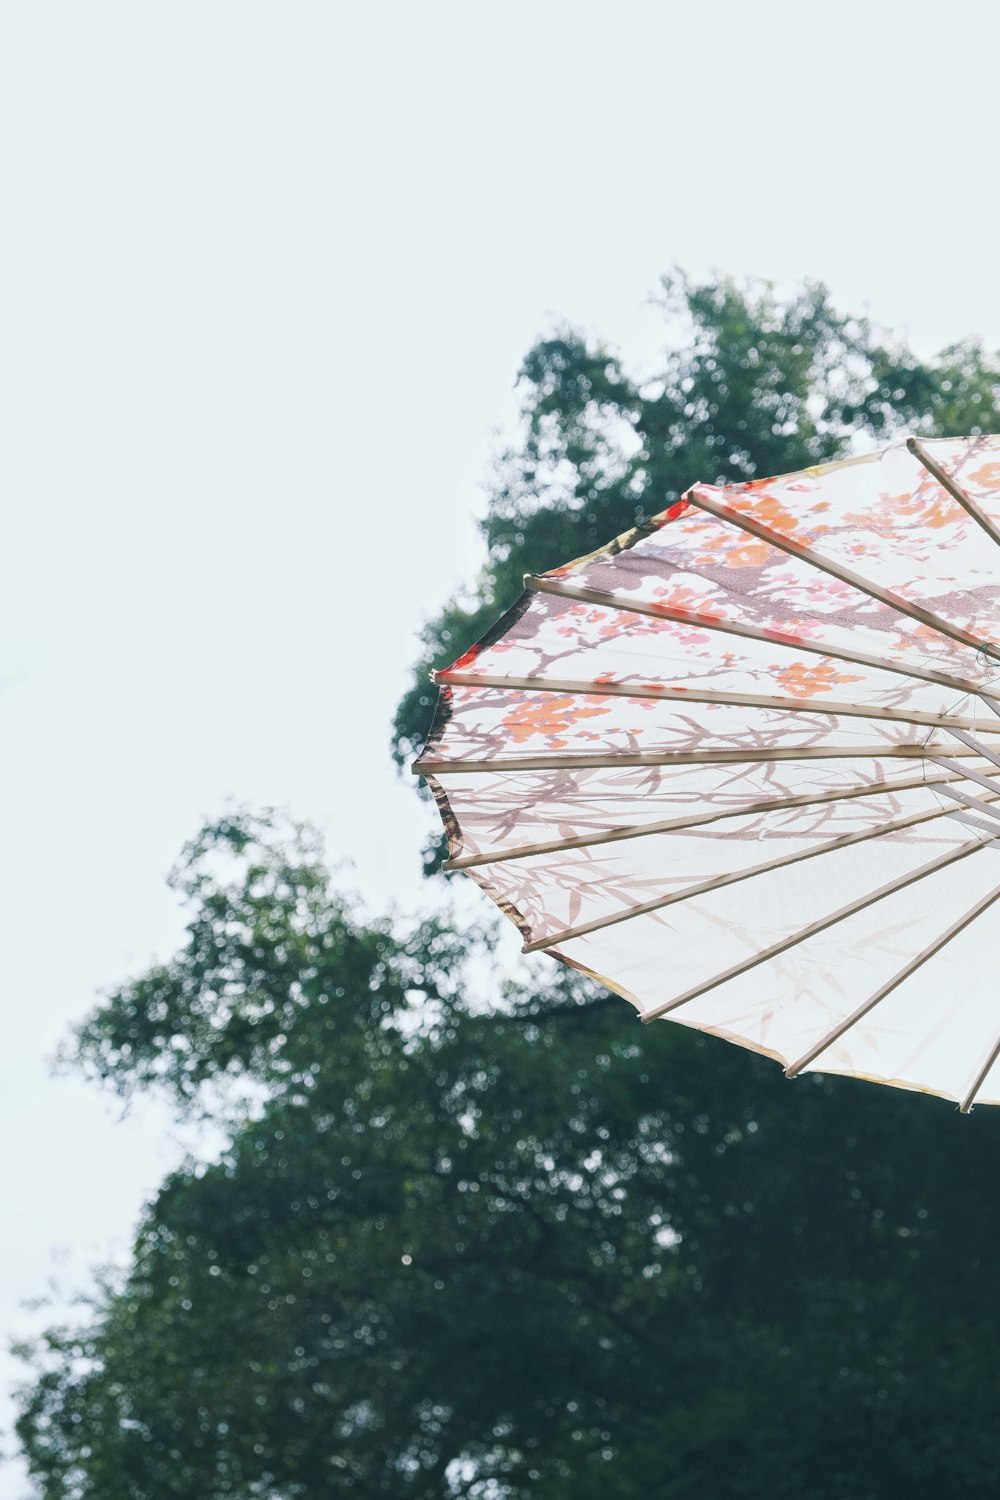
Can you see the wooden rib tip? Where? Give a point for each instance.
(911, 443)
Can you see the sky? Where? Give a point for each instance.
(266, 277)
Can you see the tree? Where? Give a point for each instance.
(530, 1252)
(535, 1252)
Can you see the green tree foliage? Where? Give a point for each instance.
(749, 384)
(535, 1249)
(540, 1251)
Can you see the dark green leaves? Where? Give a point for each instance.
(541, 1248)
(535, 1249)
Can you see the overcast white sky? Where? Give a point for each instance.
(267, 275)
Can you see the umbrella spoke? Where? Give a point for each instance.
(555, 587)
(972, 822)
(707, 695)
(698, 820)
(958, 795)
(948, 763)
(954, 490)
(610, 760)
(980, 1079)
(717, 882)
(894, 983)
(815, 928)
(784, 544)
(973, 744)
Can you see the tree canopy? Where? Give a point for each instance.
(537, 1250)
(532, 1250)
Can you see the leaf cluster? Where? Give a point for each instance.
(539, 1251)
(535, 1251)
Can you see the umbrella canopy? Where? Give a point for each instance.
(742, 766)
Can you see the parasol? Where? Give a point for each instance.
(742, 766)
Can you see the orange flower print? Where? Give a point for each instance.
(926, 633)
(581, 618)
(769, 510)
(791, 632)
(551, 717)
(986, 477)
(687, 601)
(750, 553)
(803, 681)
(928, 503)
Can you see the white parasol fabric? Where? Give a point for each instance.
(743, 766)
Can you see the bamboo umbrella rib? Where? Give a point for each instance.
(989, 828)
(567, 687)
(980, 1079)
(835, 570)
(502, 764)
(947, 763)
(954, 490)
(814, 928)
(886, 989)
(718, 882)
(560, 590)
(673, 825)
(957, 795)
(973, 744)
